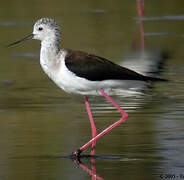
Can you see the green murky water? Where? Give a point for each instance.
(40, 124)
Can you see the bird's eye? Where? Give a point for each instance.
(40, 28)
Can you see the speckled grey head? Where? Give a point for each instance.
(47, 21)
(46, 29)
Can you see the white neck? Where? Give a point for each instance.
(49, 48)
(48, 53)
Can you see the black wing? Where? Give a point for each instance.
(95, 68)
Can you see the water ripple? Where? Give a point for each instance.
(161, 18)
(13, 23)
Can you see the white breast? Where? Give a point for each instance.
(71, 83)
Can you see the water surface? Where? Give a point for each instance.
(40, 125)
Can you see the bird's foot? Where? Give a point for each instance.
(76, 154)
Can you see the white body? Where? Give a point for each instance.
(54, 66)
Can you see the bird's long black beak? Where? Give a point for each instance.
(30, 36)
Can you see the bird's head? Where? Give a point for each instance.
(45, 29)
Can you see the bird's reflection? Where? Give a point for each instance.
(90, 170)
(140, 32)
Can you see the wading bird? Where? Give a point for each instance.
(81, 73)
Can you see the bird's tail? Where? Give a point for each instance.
(149, 78)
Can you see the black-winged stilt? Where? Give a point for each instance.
(81, 73)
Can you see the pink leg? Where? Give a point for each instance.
(108, 129)
(93, 127)
(140, 7)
